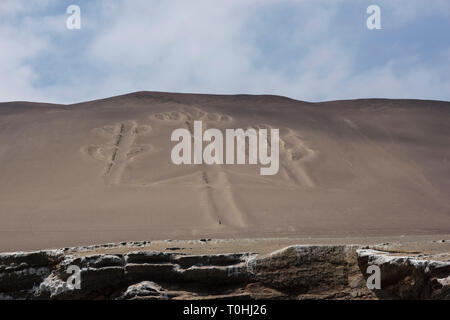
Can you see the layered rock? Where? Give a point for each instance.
(312, 272)
(296, 272)
(404, 277)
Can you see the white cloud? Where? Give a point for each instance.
(21, 42)
(16, 75)
(212, 47)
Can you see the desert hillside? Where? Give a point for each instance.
(101, 171)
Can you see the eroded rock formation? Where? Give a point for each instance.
(296, 272)
(404, 277)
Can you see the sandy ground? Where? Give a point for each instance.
(101, 172)
(426, 247)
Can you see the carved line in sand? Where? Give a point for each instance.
(294, 153)
(120, 150)
(216, 191)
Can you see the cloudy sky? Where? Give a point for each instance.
(306, 49)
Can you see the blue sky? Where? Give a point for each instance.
(310, 50)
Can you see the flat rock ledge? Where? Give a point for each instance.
(295, 272)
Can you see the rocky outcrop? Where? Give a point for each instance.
(146, 290)
(296, 272)
(20, 272)
(404, 277)
(312, 272)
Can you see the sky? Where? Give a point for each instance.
(313, 50)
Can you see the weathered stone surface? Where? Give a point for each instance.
(94, 283)
(145, 290)
(296, 272)
(94, 261)
(106, 260)
(36, 258)
(148, 257)
(214, 259)
(302, 269)
(148, 271)
(440, 288)
(25, 278)
(24, 270)
(214, 275)
(404, 277)
(96, 279)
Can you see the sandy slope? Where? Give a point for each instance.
(101, 171)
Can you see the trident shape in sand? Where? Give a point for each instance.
(213, 153)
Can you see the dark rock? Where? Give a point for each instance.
(22, 279)
(296, 272)
(143, 290)
(37, 258)
(150, 271)
(299, 269)
(204, 260)
(148, 257)
(214, 275)
(404, 277)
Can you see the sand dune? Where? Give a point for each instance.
(101, 171)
